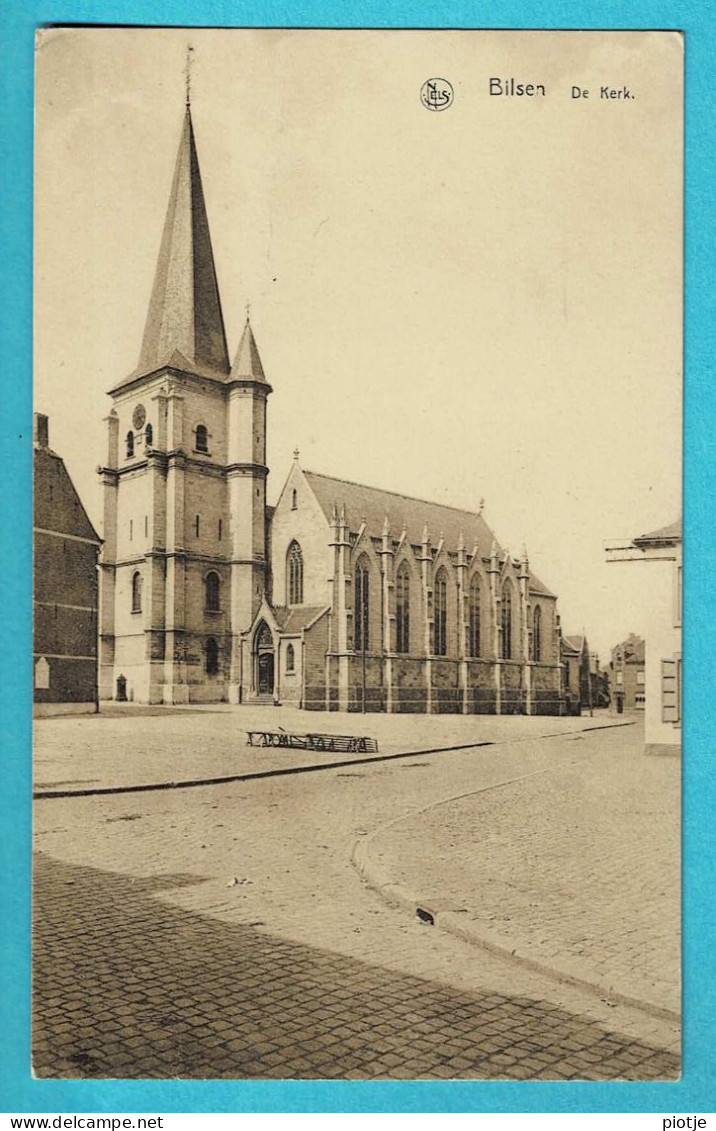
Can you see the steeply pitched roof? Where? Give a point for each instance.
(372, 504)
(294, 619)
(247, 363)
(668, 534)
(538, 586)
(57, 506)
(184, 321)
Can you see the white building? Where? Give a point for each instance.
(662, 549)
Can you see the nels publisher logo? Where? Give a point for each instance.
(436, 94)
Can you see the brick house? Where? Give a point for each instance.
(627, 674)
(66, 549)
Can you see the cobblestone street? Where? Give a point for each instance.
(125, 746)
(130, 988)
(222, 931)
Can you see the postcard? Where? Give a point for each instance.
(358, 554)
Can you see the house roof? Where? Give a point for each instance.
(668, 534)
(295, 618)
(185, 326)
(372, 505)
(573, 643)
(57, 506)
(633, 648)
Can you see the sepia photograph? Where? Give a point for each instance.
(357, 554)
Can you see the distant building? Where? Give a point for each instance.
(662, 549)
(600, 682)
(575, 658)
(66, 549)
(627, 674)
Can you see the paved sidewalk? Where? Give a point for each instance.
(576, 870)
(133, 746)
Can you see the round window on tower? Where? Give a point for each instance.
(138, 417)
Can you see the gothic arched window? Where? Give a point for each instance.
(212, 585)
(136, 592)
(148, 436)
(130, 445)
(211, 649)
(202, 438)
(362, 605)
(507, 621)
(290, 659)
(402, 609)
(441, 613)
(295, 574)
(474, 609)
(537, 634)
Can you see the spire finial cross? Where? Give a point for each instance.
(187, 73)
(248, 311)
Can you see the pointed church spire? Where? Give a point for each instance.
(185, 327)
(247, 363)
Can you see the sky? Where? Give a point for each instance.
(481, 303)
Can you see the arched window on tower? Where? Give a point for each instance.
(507, 621)
(202, 438)
(440, 611)
(294, 560)
(290, 659)
(130, 445)
(148, 436)
(537, 634)
(361, 608)
(211, 649)
(136, 592)
(212, 586)
(475, 610)
(402, 609)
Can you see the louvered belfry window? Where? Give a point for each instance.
(213, 592)
(136, 592)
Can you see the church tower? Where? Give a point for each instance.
(183, 567)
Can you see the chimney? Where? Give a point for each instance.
(41, 435)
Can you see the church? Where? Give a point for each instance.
(342, 597)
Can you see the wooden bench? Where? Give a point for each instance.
(328, 743)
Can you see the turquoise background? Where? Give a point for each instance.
(18, 1091)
